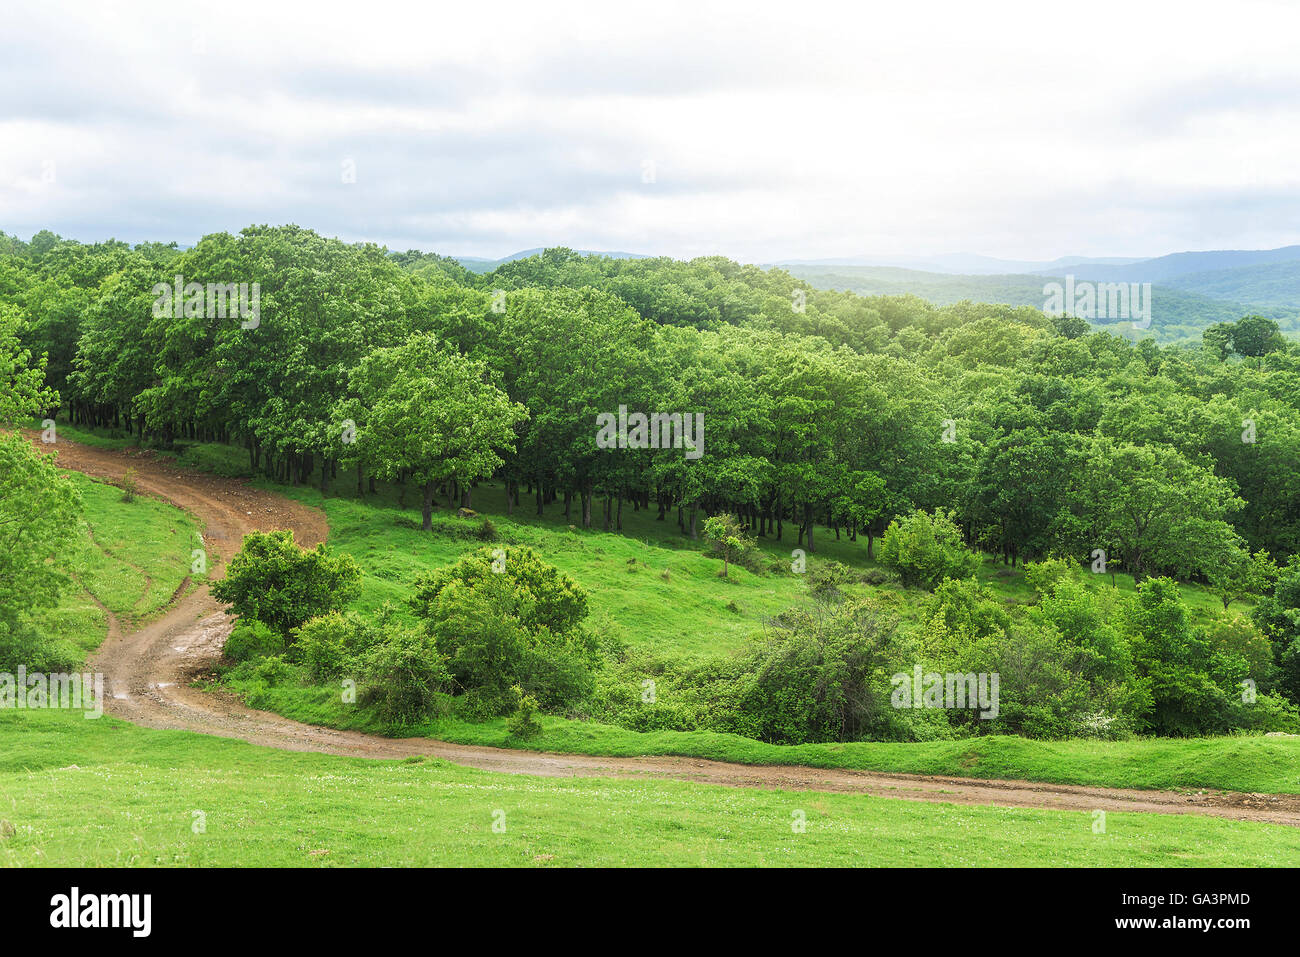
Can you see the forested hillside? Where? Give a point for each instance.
(917, 432)
(1271, 286)
(1181, 308)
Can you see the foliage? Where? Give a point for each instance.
(330, 644)
(823, 675)
(130, 486)
(925, 548)
(522, 724)
(404, 675)
(40, 512)
(251, 639)
(726, 535)
(503, 617)
(274, 581)
(1278, 617)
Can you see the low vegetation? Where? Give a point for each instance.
(103, 793)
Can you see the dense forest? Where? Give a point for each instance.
(1036, 439)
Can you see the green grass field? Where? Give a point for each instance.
(1236, 763)
(95, 793)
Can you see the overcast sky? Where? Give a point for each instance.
(1007, 129)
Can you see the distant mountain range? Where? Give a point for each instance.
(1190, 290)
(1179, 265)
(966, 263)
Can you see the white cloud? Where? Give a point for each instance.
(1010, 129)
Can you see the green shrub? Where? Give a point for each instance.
(823, 675)
(274, 670)
(130, 486)
(1238, 635)
(879, 576)
(1043, 691)
(967, 610)
(926, 548)
(1278, 616)
(250, 639)
(641, 691)
(328, 644)
(1044, 576)
(521, 625)
(825, 579)
(521, 724)
(1194, 685)
(404, 675)
(282, 585)
(22, 643)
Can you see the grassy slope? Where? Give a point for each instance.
(108, 793)
(104, 792)
(132, 559)
(688, 615)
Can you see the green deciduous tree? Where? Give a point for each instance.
(433, 414)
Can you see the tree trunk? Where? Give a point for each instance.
(428, 507)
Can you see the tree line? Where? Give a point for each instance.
(821, 409)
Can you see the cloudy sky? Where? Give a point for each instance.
(813, 130)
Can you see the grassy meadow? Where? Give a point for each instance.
(106, 793)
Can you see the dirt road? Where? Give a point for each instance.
(148, 672)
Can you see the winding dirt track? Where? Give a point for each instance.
(147, 673)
